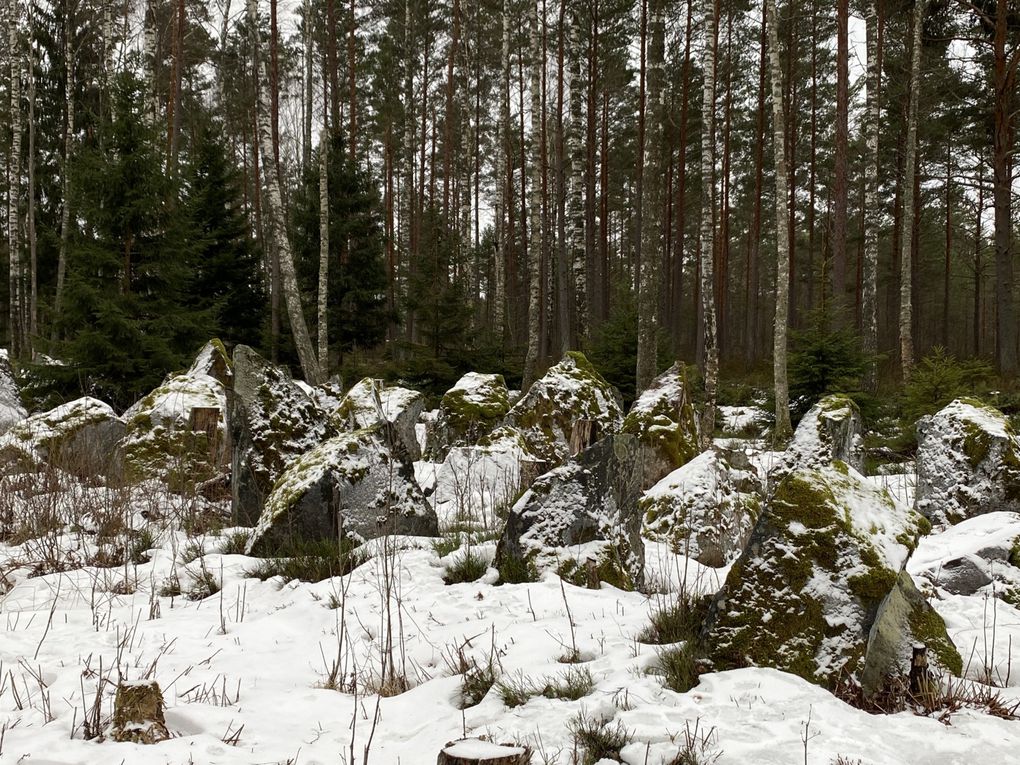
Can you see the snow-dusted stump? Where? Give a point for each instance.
(968, 463)
(581, 520)
(475, 751)
(11, 409)
(138, 714)
(272, 421)
(353, 486)
(544, 417)
(664, 421)
(178, 432)
(707, 508)
(371, 403)
(471, 409)
(831, 430)
(823, 556)
(82, 437)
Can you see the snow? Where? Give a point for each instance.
(11, 409)
(740, 419)
(473, 483)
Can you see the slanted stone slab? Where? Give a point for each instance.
(138, 714)
(968, 463)
(352, 486)
(272, 421)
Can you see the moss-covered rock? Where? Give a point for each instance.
(471, 409)
(581, 519)
(904, 619)
(803, 596)
(178, 432)
(571, 390)
(968, 463)
(272, 421)
(664, 421)
(832, 430)
(11, 409)
(81, 437)
(395, 409)
(351, 486)
(707, 508)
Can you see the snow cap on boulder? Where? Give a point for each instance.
(707, 508)
(272, 421)
(82, 437)
(968, 463)
(665, 424)
(831, 430)
(178, 432)
(11, 409)
(824, 554)
(371, 402)
(580, 519)
(472, 408)
(354, 480)
(569, 392)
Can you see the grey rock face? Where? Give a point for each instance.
(352, 486)
(272, 421)
(831, 430)
(370, 403)
(582, 518)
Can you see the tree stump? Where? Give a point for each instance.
(206, 419)
(138, 713)
(476, 751)
(583, 434)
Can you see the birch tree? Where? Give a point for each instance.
(869, 277)
(323, 313)
(14, 177)
(575, 184)
(779, 338)
(711, 348)
(277, 230)
(651, 215)
(910, 170)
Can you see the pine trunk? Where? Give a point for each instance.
(14, 180)
(840, 183)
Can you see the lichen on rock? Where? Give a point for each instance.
(352, 486)
(167, 440)
(707, 508)
(471, 409)
(968, 463)
(82, 437)
(371, 402)
(831, 430)
(664, 421)
(824, 553)
(570, 391)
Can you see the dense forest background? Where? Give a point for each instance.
(416, 188)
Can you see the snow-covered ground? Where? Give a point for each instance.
(243, 671)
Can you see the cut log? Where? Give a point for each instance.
(472, 751)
